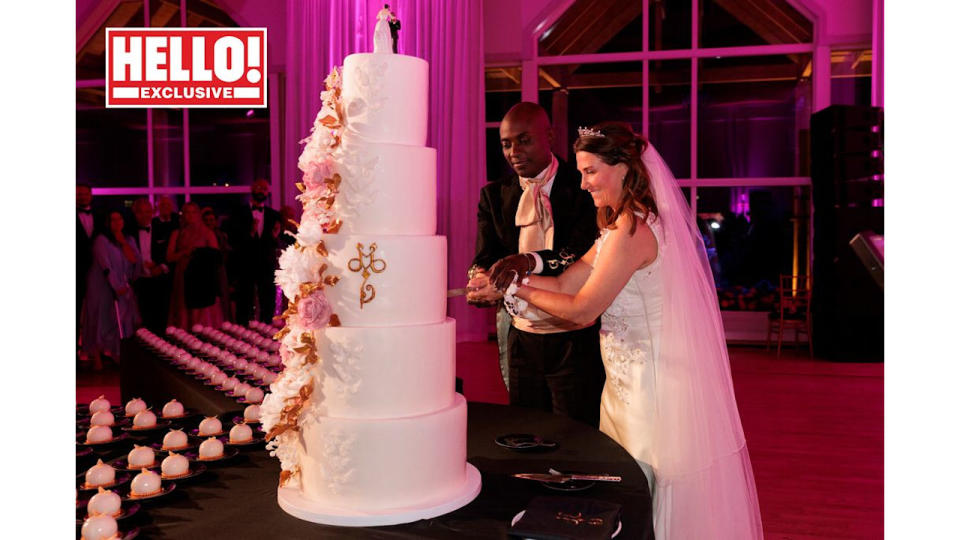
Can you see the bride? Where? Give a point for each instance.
(668, 397)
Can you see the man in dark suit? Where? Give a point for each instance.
(162, 227)
(254, 232)
(85, 223)
(153, 289)
(540, 213)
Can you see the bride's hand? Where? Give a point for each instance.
(481, 292)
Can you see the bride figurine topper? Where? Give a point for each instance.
(387, 31)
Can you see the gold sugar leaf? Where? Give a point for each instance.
(334, 228)
(331, 280)
(334, 320)
(294, 223)
(282, 333)
(301, 187)
(322, 249)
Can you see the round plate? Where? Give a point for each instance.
(120, 464)
(196, 469)
(159, 425)
(187, 414)
(158, 446)
(517, 517)
(257, 438)
(126, 510)
(118, 439)
(165, 489)
(524, 441)
(119, 478)
(228, 452)
(196, 433)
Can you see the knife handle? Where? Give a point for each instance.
(596, 477)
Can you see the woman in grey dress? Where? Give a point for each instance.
(110, 312)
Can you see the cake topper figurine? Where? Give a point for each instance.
(387, 31)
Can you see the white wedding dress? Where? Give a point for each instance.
(672, 415)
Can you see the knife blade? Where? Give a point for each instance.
(456, 292)
(562, 478)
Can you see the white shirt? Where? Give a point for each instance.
(258, 219)
(144, 240)
(87, 221)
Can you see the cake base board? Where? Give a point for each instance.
(294, 503)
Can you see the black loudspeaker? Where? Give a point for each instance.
(847, 174)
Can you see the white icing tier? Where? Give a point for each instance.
(386, 372)
(372, 465)
(406, 282)
(387, 188)
(385, 97)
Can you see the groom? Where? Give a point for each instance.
(538, 220)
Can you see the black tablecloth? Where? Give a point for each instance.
(238, 499)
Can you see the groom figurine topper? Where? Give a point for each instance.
(386, 33)
(538, 220)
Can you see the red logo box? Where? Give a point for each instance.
(186, 67)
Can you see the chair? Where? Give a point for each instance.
(793, 311)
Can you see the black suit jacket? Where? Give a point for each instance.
(160, 232)
(254, 256)
(84, 249)
(574, 221)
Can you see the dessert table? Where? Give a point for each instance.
(238, 498)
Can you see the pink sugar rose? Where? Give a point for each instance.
(314, 311)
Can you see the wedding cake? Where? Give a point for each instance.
(364, 418)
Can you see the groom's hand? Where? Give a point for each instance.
(481, 292)
(506, 269)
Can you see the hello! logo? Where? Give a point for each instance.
(186, 67)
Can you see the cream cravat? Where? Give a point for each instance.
(534, 214)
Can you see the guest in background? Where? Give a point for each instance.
(195, 254)
(163, 226)
(212, 222)
(110, 311)
(85, 230)
(254, 232)
(153, 287)
(540, 215)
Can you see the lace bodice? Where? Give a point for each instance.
(630, 327)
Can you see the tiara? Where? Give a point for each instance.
(589, 132)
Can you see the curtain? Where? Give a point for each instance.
(448, 34)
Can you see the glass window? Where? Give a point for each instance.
(751, 111)
(670, 23)
(502, 85)
(669, 128)
(732, 23)
(850, 77)
(229, 146)
(497, 166)
(223, 204)
(593, 93)
(588, 27)
(111, 143)
(752, 235)
(168, 147)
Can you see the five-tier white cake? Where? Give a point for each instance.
(365, 419)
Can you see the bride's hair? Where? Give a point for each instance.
(617, 143)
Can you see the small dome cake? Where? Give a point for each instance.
(241, 389)
(174, 466)
(140, 456)
(100, 474)
(99, 404)
(104, 502)
(99, 434)
(230, 383)
(211, 448)
(145, 484)
(253, 395)
(210, 426)
(145, 419)
(217, 378)
(241, 433)
(102, 418)
(251, 413)
(99, 528)
(175, 439)
(172, 409)
(134, 406)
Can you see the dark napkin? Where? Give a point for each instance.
(563, 518)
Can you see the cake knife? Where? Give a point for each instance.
(457, 292)
(561, 478)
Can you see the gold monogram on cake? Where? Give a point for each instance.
(367, 264)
